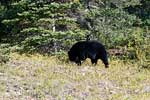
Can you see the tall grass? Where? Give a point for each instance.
(40, 77)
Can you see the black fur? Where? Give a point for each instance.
(88, 49)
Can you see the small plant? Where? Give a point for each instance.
(4, 53)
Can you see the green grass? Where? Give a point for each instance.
(40, 77)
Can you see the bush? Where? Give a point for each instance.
(4, 53)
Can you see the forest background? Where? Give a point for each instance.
(52, 26)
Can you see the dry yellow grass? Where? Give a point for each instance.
(37, 77)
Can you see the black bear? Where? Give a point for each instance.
(88, 49)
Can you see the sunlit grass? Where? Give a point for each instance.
(43, 77)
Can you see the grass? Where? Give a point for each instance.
(37, 77)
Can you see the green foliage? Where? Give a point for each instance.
(53, 26)
(4, 53)
(111, 26)
(138, 47)
(141, 10)
(37, 25)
